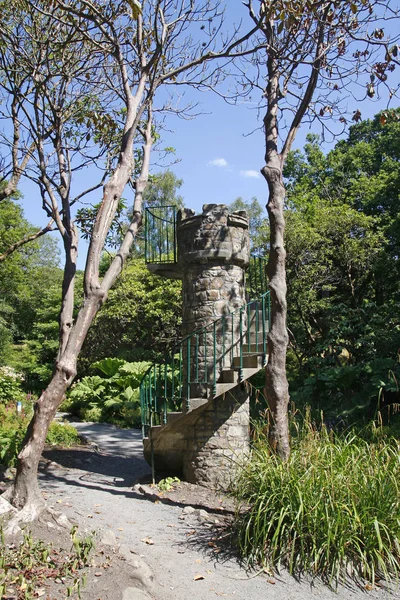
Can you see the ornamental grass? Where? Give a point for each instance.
(333, 509)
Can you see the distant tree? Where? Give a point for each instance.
(141, 320)
(258, 222)
(342, 245)
(25, 272)
(315, 54)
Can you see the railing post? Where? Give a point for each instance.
(165, 391)
(188, 375)
(173, 377)
(241, 344)
(180, 371)
(204, 332)
(214, 389)
(196, 375)
(264, 328)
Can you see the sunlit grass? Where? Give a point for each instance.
(333, 509)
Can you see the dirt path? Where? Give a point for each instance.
(94, 487)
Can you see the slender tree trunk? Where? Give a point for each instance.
(25, 491)
(276, 384)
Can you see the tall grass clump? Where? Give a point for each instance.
(333, 509)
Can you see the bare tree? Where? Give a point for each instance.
(319, 54)
(98, 81)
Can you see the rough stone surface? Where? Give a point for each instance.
(206, 446)
(108, 538)
(138, 568)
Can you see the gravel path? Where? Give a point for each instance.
(97, 493)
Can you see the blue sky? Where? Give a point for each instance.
(217, 158)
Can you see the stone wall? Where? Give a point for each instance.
(207, 445)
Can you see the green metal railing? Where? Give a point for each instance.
(160, 244)
(196, 364)
(161, 247)
(256, 277)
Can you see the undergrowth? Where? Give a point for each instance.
(13, 427)
(28, 570)
(333, 509)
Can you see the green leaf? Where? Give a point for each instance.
(136, 8)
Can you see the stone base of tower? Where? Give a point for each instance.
(207, 445)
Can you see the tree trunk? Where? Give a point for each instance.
(276, 385)
(25, 492)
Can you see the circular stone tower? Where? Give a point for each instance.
(213, 251)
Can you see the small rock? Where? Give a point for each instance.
(140, 570)
(135, 594)
(188, 510)
(63, 521)
(108, 538)
(124, 551)
(202, 515)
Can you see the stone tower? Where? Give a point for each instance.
(212, 433)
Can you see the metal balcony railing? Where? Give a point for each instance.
(160, 235)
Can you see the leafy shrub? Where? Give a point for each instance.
(91, 415)
(62, 434)
(10, 386)
(12, 432)
(112, 396)
(13, 427)
(333, 507)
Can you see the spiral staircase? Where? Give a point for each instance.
(206, 369)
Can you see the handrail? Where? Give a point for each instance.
(160, 244)
(195, 366)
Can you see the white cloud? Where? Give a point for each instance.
(250, 173)
(218, 162)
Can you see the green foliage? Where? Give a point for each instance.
(24, 273)
(62, 434)
(10, 386)
(167, 484)
(331, 509)
(112, 397)
(343, 243)
(140, 320)
(13, 428)
(12, 432)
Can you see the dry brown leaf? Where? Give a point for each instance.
(198, 577)
(147, 540)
